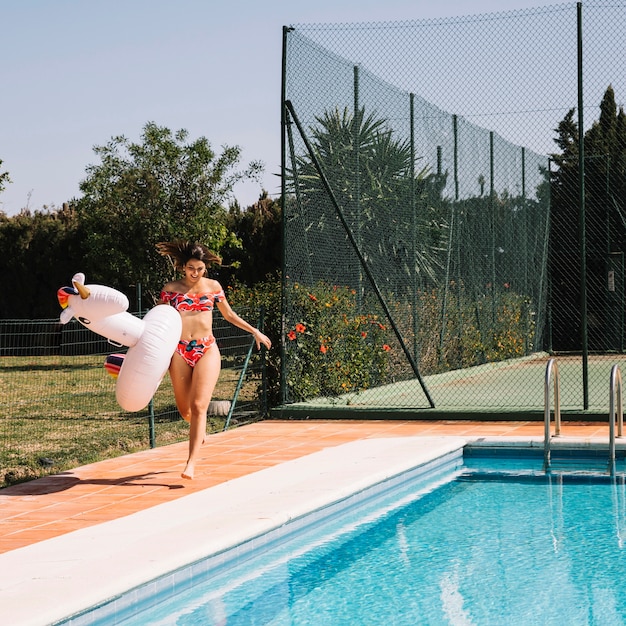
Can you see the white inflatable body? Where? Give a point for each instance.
(151, 341)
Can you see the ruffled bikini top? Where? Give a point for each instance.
(192, 301)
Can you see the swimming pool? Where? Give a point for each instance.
(494, 540)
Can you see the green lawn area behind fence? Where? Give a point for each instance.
(58, 412)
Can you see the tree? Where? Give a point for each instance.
(4, 179)
(164, 187)
(605, 229)
(259, 257)
(40, 250)
(371, 174)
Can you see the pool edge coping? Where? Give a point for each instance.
(52, 571)
(88, 567)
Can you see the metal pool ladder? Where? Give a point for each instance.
(551, 368)
(616, 411)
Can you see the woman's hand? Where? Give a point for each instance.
(260, 338)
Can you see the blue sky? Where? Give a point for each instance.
(75, 73)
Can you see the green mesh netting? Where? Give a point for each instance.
(432, 240)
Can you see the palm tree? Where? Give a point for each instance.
(386, 203)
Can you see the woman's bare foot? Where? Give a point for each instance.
(189, 471)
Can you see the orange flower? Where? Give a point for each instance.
(291, 335)
(386, 347)
(312, 297)
(300, 328)
(323, 349)
(363, 334)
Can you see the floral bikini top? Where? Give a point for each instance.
(192, 301)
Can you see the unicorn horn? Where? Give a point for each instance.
(82, 290)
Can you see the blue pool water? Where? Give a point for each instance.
(496, 541)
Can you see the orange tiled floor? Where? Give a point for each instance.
(61, 503)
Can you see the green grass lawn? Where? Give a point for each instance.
(57, 413)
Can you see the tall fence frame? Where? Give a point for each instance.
(325, 109)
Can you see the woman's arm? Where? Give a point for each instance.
(230, 316)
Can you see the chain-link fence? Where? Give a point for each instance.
(58, 407)
(439, 244)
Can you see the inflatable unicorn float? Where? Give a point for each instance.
(151, 341)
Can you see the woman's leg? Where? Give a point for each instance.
(181, 376)
(203, 381)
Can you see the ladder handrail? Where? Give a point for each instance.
(551, 367)
(615, 392)
(616, 411)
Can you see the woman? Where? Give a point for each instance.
(195, 365)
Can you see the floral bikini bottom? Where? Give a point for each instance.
(192, 351)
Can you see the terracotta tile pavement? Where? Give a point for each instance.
(61, 503)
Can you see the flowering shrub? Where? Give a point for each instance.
(334, 345)
(249, 301)
(477, 331)
(331, 347)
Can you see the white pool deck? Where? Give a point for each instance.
(51, 580)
